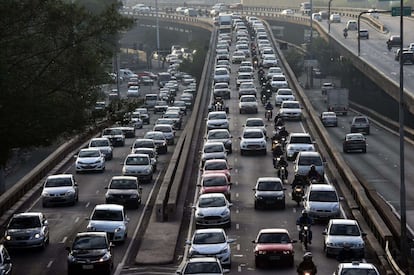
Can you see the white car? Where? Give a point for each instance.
(304, 161)
(341, 231)
(253, 140)
(273, 71)
(290, 110)
(213, 150)
(322, 202)
(278, 81)
(238, 57)
(284, 94)
(248, 104)
(202, 265)
(217, 120)
(255, 123)
(109, 218)
(270, 61)
(138, 165)
(136, 120)
(103, 144)
(287, 12)
(90, 159)
(356, 268)
(133, 91)
(167, 130)
(59, 189)
(221, 75)
(243, 77)
(297, 142)
(211, 242)
(212, 210)
(329, 119)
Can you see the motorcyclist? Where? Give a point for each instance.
(282, 163)
(346, 254)
(298, 181)
(260, 72)
(268, 107)
(255, 61)
(313, 174)
(277, 152)
(283, 133)
(303, 220)
(345, 32)
(307, 265)
(279, 121)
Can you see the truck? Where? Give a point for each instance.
(225, 22)
(338, 100)
(305, 8)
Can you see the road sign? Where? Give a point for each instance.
(395, 11)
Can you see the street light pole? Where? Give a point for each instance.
(329, 16)
(311, 21)
(158, 32)
(359, 26)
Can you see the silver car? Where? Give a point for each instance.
(217, 120)
(109, 218)
(221, 135)
(212, 210)
(298, 142)
(322, 202)
(27, 230)
(253, 140)
(60, 189)
(138, 165)
(167, 130)
(90, 159)
(211, 242)
(103, 144)
(123, 190)
(213, 150)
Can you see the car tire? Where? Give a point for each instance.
(364, 150)
(230, 150)
(257, 263)
(241, 152)
(44, 205)
(256, 205)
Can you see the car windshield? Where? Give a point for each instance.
(290, 105)
(111, 132)
(57, 182)
(360, 120)
(248, 99)
(89, 154)
(144, 144)
(107, 215)
(344, 230)
(218, 135)
(99, 143)
(269, 186)
(209, 238)
(273, 238)
(284, 92)
(217, 116)
(214, 181)
(213, 148)
(323, 196)
(310, 160)
(24, 222)
(255, 134)
(355, 137)
(89, 242)
(215, 165)
(212, 202)
(123, 184)
(358, 271)
(247, 85)
(137, 161)
(155, 136)
(302, 140)
(251, 123)
(202, 267)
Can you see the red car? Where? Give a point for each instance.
(147, 73)
(215, 183)
(217, 166)
(273, 245)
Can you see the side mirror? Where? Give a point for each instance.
(294, 241)
(45, 222)
(253, 241)
(363, 234)
(106, 187)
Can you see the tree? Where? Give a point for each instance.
(52, 62)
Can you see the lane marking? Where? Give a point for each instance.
(77, 219)
(49, 264)
(64, 239)
(87, 204)
(237, 226)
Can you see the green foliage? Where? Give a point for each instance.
(195, 66)
(295, 60)
(52, 57)
(327, 57)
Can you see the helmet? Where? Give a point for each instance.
(307, 256)
(347, 245)
(312, 167)
(304, 213)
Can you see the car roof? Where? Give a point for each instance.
(322, 187)
(28, 214)
(273, 230)
(210, 230)
(124, 177)
(252, 130)
(343, 221)
(90, 149)
(214, 175)
(356, 264)
(137, 155)
(299, 135)
(211, 143)
(309, 154)
(214, 160)
(109, 207)
(211, 195)
(60, 176)
(90, 233)
(271, 179)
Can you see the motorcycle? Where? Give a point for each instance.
(304, 236)
(264, 99)
(298, 193)
(268, 115)
(345, 34)
(307, 272)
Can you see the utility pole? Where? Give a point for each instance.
(329, 16)
(158, 32)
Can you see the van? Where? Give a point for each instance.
(352, 25)
(335, 18)
(127, 74)
(163, 78)
(304, 160)
(151, 100)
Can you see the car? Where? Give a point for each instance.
(173, 122)
(217, 166)
(321, 201)
(238, 57)
(304, 161)
(215, 183)
(60, 189)
(143, 143)
(151, 152)
(273, 245)
(329, 119)
(352, 25)
(138, 165)
(160, 106)
(394, 41)
(6, 265)
(128, 132)
(248, 104)
(115, 135)
(104, 145)
(133, 91)
(247, 91)
(188, 99)
(297, 142)
(243, 77)
(90, 251)
(146, 80)
(354, 142)
(363, 33)
(217, 120)
(317, 17)
(255, 123)
(144, 115)
(167, 130)
(269, 61)
(244, 47)
(335, 18)
(175, 117)
(360, 124)
(135, 120)
(341, 231)
(373, 13)
(159, 141)
(273, 71)
(27, 230)
(287, 12)
(221, 135)
(290, 110)
(317, 73)
(269, 193)
(202, 265)
(407, 56)
(284, 94)
(90, 159)
(213, 150)
(325, 86)
(211, 242)
(212, 210)
(253, 140)
(278, 81)
(124, 190)
(109, 218)
(356, 268)
(246, 69)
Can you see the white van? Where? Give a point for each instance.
(127, 74)
(352, 25)
(151, 100)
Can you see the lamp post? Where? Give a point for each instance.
(311, 31)
(329, 16)
(158, 32)
(359, 26)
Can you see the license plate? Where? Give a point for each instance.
(87, 266)
(273, 258)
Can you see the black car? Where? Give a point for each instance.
(393, 41)
(354, 142)
(360, 124)
(123, 190)
(116, 136)
(90, 252)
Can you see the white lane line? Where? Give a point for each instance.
(237, 226)
(237, 195)
(49, 264)
(87, 204)
(237, 183)
(64, 239)
(238, 247)
(97, 192)
(77, 219)
(237, 211)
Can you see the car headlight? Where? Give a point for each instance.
(37, 236)
(105, 257)
(359, 245)
(335, 208)
(225, 212)
(119, 229)
(45, 194)
(261, 252)
(148, 170)
(70, 192)
(224, 250)
(8, 237)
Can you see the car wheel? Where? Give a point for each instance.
(256, 206)
(44, 204)
(257, 263)
(230, 150)
(242, 152)
(364, 150)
